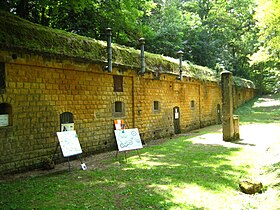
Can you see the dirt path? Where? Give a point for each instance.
(263, 141)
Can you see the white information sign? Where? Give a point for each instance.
(128, 139)
(69, 143)
(4, 120)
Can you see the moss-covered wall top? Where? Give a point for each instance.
(20, 35)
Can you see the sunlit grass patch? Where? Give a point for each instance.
(192, 171)
(265, 109)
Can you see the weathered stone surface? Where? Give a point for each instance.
(250, 187)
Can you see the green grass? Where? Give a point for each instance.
(165, 177)
(178, 174)
(261, 110)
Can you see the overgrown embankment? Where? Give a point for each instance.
(20, 35)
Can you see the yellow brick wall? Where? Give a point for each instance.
(39, 89)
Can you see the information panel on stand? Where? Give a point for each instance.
(128, 139)
(69, 143)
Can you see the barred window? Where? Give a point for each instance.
(118, 83)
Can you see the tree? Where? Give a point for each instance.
(266, 62)
(167, 28)
(225, 35)
(212, 33)
(87, 17)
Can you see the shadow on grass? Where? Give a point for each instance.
(151, 182)
(264, 109)
(176, 165)
(158, 180)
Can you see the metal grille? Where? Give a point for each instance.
(2, 76)
(118, 83)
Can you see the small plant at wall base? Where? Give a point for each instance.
(48, 164)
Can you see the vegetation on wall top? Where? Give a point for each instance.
(19, 34)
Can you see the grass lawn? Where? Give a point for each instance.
(181, 173)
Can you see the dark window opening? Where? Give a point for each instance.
(2, 77)
(118, 83)
(156, 106)
(5, 114)
(118, 106)
(66, 121)
(192, 104)
(66, 117)
(118, 109)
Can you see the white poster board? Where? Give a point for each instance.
(69, 143)
(4, 120)
(128, 139)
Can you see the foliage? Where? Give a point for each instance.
(240, 82)
(224, 36)
(167, 28)
(15, 33)
(266, 62)
(86, 17)
(212, 33)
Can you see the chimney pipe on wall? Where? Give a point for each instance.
(180, 54)
(142, 56)
(109, 49)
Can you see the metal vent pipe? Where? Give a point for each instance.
(180, 54)
(142, 55)
(109, 49)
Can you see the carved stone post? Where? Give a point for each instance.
(227, 108)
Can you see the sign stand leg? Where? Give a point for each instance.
(57, 145)
(138, 154)
(125, 156)
(80, 158)
(125, 152)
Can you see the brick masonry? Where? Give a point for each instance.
(39, 89)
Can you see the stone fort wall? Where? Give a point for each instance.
(39, 89)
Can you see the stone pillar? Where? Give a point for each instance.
(236, 127)
(227, 107)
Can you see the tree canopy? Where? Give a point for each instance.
(232, 35)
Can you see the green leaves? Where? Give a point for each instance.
(211, 33)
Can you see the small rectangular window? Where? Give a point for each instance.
(156, 106)
(118, 109)
(118, 106)
(118, 83)
(192, 104)
(2, 77)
